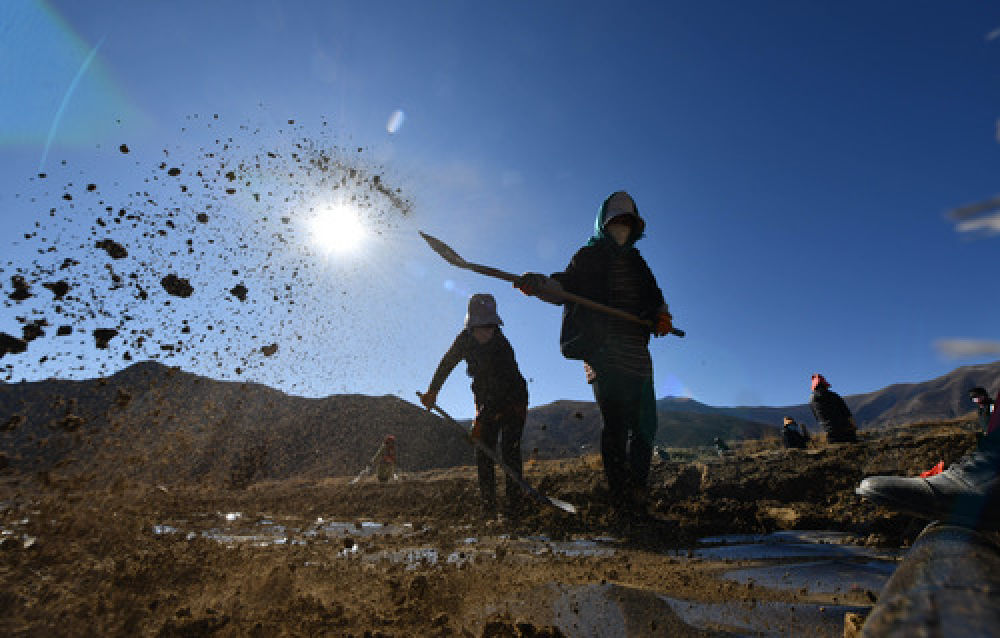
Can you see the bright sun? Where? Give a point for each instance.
(338, 229)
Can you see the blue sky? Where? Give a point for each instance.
(794, 161)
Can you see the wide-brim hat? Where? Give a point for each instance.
(482, 311)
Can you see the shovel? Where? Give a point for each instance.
(524, 485)
(363, 473)
(454, 259)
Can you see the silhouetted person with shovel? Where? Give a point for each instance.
(501, 396)
(615, 352)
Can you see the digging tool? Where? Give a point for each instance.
(454, 259)
(524, 485)
(363, 473)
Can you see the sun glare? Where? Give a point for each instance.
(338, 229)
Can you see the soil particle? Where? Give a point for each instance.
(11, 345)
(102, 336)
(123, 148)
(177, 286)
(174, 172)
(58, 288)
(33, 330)
(21, 289)
(269, 350)
(64, 331)
(113, 248)
(202, 217)
(239, 291)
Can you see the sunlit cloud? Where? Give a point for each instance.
(967, 348)
(979, 218)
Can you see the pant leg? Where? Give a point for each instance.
(640, 452)
(488, 431)
(511, 429)
(620, 414)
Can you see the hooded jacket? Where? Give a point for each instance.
(584, 331)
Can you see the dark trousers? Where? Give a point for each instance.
(628, 408)
(505, 422)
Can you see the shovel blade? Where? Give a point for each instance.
(563, 505)
(444, 250)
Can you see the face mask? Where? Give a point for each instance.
(618, 232)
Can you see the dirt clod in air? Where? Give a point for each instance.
(58, 288)
(113, 248)
(21, 289)
(102, 336)
(269, 350)
(11, 345)
(177, 286)
(123, 148)
(239, 291)
(64, 331)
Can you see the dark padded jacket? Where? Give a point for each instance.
(833, 415)
(496, 379)
(588, 274)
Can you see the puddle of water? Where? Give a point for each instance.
(829, 576)
(265, 531)
(603, 611)
(784, 545)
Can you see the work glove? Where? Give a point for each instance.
(428, 399)
(531, 283)
(663, 324)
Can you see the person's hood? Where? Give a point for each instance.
(618, 203)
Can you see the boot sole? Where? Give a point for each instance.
(949, 515)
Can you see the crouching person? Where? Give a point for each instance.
(794, 435)
(501, 397)
(831, 412)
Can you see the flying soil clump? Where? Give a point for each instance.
(222, 209)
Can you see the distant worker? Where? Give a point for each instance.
(501, 396)
(984, 407)
(831, 412)
(967, 493)
(720, 446)
(794, 435)
(384, 460)
(610, 271)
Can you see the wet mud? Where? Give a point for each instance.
(730, 548)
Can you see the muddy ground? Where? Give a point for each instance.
(413, 557)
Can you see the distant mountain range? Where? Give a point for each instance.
(161, 424)
(945, 397)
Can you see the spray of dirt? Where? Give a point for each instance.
(202, 258)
